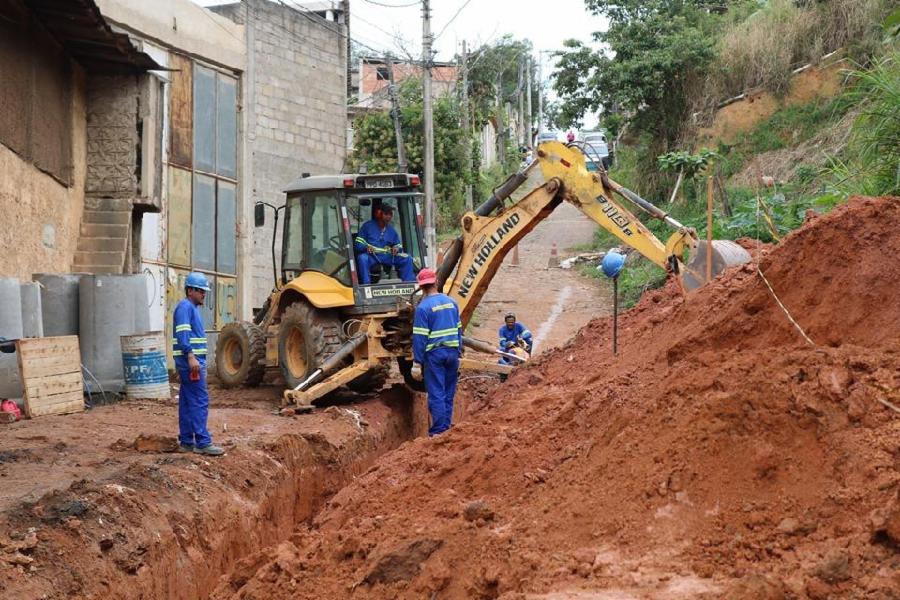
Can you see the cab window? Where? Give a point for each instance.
(360, 209)
(324, 247)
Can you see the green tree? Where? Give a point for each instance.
(644, 68)
(375, 146)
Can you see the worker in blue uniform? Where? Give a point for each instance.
(189, 351)
(378, 243)
(513, 334)
(437, 347)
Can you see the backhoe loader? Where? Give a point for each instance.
(325, 330)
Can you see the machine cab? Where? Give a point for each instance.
(325, 229)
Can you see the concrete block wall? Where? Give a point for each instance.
(296, 111)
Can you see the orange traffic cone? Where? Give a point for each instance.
(554, 257)
(514, 262)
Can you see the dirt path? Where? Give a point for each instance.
(552, 303)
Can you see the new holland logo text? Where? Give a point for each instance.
(393, 291)
(610, 210)
(485, 252)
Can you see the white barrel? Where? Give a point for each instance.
(144, 365)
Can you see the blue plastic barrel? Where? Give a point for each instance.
(144, 363)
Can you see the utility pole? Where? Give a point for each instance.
(540, 87)
(501, 122)
(520, 92)
(430, 237)
(528, 138)
(395, 116)
(467, 133)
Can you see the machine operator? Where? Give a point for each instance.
(377, 243)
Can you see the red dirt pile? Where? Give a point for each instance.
(718, 456)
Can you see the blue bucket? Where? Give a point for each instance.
(144, 363)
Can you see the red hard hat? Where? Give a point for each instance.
(426, 276)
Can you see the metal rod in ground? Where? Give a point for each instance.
(709, 227)
(615, 315)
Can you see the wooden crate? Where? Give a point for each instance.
(50, 369)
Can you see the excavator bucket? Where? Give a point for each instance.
(725, 253)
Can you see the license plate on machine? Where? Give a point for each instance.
(379, 183)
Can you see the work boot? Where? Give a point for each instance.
(185, 448)
(210, 450)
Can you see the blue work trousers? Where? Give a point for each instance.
(366, 261)
(441, 373)
(193, 409)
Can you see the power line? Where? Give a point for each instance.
(392, 5)
(453, 18)
(317, 20)
(384, 31)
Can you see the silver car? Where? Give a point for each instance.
(596, 150)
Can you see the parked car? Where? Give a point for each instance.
(596, 150)
(547, 136)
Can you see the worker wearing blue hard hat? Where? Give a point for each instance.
(189, 350)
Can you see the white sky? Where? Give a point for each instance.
(399, 30)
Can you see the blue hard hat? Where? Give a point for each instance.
(612, 264)
(197, 280)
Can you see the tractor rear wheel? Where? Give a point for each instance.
(306, 338)
(241, 355)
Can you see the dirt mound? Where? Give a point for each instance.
(718, 456)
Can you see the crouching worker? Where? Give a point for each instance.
(189, 350)
(514, 336)
(437, 346)
(378, 243)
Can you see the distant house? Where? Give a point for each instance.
(374, 77)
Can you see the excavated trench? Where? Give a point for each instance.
(173, 527)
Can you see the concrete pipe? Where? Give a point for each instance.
(32, 317)
(10, 328)
(59, 302)
(110, 306)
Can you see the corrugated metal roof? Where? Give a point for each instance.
(85, 34)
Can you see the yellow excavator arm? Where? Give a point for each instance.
(558, 174)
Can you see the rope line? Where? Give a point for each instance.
(769, 285)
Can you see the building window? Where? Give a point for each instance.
(382, 73)
(202, 230)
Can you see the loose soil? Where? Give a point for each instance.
(718, 456)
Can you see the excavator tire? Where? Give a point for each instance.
(307, 336)
(371, 381)
(240, 355)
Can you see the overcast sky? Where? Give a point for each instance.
(399, 30)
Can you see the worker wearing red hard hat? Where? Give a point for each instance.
(437, 346)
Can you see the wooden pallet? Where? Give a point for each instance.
(50, 369)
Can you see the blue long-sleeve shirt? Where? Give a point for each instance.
(436, 324)
(190, 335)
(370, 234)
(509, 337)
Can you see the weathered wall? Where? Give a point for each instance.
(295, 112)
(39, 216)
(180, 24)
(112, 136)
(756, 106)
